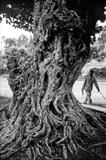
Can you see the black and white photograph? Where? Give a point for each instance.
(52, 79)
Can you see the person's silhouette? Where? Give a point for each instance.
(88, 86)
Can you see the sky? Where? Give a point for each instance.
(10, 32)
(7, 31)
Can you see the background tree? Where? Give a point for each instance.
(3, 59)
(22, 41)
(98, 49)
(98, 53)
(45, 120)
(8, 44)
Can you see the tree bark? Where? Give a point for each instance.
(45, 120)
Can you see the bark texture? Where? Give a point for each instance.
(45, 120)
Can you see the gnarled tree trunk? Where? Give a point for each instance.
(45, 119)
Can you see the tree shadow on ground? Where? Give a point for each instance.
(4, 101)
(99, 105)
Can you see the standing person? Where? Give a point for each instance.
(88, 86)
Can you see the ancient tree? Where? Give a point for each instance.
(44, 119)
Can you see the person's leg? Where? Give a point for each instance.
(89, 98)
(86, 98)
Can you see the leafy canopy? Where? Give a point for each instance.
(20, 12)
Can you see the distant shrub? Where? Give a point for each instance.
(14, 51)
(100, 72)
(3, 71)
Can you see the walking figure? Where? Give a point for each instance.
(88, 86)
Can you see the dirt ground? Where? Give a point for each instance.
(98, 100)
